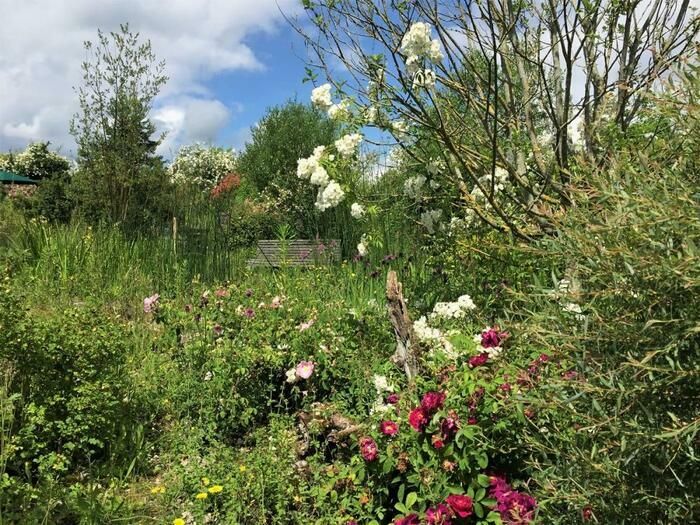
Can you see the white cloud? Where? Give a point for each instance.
(41, 49)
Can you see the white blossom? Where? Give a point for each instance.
(347, 144)
(371, 114)
(339, 111)
(435, 52)
(321, 97)
(424, 78)
(399, 127)
(319, 177)
(357, 210)
(413, 185)
(417, 40)
(430, 218)
(381, 384)
(425, 333)
(362, 246)
(330, 196)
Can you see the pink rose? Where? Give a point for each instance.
(368, 448)
(305, 369)
(478, 360)
(388, 428)
(432, 402)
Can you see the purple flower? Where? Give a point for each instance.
(492, 338)
(249, 313)
(218, 329)
(392, 399)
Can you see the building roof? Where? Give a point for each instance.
(12, 178)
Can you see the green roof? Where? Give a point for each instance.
(11, 178)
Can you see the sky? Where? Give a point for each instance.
(228, 60)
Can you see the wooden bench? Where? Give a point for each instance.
(298, 252)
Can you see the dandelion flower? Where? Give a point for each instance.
(202, 495)
(216, 489)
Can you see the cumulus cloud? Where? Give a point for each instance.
(41, 49)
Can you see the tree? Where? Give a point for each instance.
(285, 134)
(531, 84)
(117, 163)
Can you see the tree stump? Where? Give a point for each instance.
(405, 355)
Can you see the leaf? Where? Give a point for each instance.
(411, 499)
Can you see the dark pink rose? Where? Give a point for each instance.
(417, 419)
(388, 428)
(432, 402)
(368, 448)
(460, 504)
(478, 360)
(411, 519)
(392, 399)
(439, 515)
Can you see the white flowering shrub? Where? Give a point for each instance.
(202, 165)
(36, 162)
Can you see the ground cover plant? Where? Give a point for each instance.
(510, 337)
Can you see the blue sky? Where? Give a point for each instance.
(228, 60)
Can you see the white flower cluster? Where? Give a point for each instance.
(381, 385)
(347, 144)
(399, 128)
(321, 97)
(418, 46)
(330, 194)
(430, 218)
(413, 186)
(371, 115)
(454, 310)
(202, 165)
(362, 248)
(357, 211)
(432, 337)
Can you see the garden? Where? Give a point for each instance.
(509, 335)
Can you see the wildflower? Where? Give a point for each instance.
(150, 303)
(413, 186)
(392, 399)
(205, 481)
(202, 495)
(221, 292)
(381, 384)
(276, 302)
(411, 519)
(179, 521)
(425, 333)
(460, 504)
(570, 375)
(472, 420)
(357, 211)
(432, 402)
(242, 468)
(158, 489)
(215, 489)
(249, 313)
(304, 369)
(418, 419)
(291, 375)
(321, 97)
(208, 376)
(448, 466)
(439, 515)
(368, 448)
(362, 247)
(505, 387)
(306, 325)
(347, 144)
(388, 428)
(218, 330)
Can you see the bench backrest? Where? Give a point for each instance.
(298, 252)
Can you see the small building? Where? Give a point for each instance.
(12, 178)
(14, 185)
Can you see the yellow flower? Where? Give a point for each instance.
(178, 521)
(205, 481)
(202, 495)
(215, 489)
(242, 468)
(158, 489)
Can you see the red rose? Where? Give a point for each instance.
(492, 338)
(417, 419)
(438, 443)
(388, 428)
(460, 504)
(392, 399)
(368, 448)
(432, 402)
(478, 360)
(411, 519)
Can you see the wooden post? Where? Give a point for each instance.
(174, 235)
(405, 355)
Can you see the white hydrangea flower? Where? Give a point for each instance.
(339, 111)
(357, 211)
(413, 185)
(430, 218)
(321, 97)
(347, 144)
(319, 177)
(330, 196)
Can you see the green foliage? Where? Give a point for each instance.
(36, 162)
(119, 177)
(285, 134)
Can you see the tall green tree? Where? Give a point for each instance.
(117, 161)
(285, 134)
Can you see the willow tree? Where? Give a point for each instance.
(504, 98)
